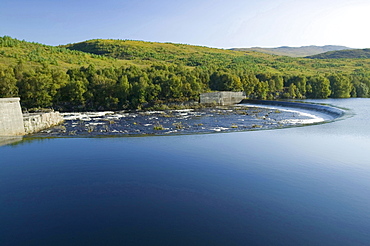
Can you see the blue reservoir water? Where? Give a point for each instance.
(295, 186)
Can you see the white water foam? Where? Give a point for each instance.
(312, 118)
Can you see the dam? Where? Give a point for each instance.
(222, 98)
(14, 123)
(11, 117)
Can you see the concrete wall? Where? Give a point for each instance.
(36, 122)
(11, 118)
(222, 97)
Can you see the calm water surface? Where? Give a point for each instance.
(296, 186)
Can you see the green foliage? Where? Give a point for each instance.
(8, 83)
(299, 81)
(292, 92)
(35, 89)
(158, 127)
(340, 85)
(318, 87)
(225, 81)
(361, 85)
(150, 73)
(261, 90)
(344, 54)
(249, 81)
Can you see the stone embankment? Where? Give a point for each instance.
(35, 122)
(14, 123)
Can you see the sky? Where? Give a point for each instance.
(212, 23)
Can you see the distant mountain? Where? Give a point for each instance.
(352, 53)
(302, 51)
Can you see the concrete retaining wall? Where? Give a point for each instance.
(222, 97)
(11, 118)
(14, 123)
(36, 122)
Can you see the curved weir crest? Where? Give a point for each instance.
(325, 109)
(247, 116)
(312, 118)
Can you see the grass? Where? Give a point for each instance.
(158, 127)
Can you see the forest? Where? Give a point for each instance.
(125, 74)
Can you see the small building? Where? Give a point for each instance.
(222, 97)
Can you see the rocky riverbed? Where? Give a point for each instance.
(185, 121)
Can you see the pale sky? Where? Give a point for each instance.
(212, 23)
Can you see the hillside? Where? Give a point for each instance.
(34, 54)
(171, 53)
(147, 53)
(126, 74)
(344, 54)
(302, 51)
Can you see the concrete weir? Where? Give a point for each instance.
(14, 123)
(11, 118)
(222, 97)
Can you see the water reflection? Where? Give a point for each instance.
(10, 140)
(294, 186)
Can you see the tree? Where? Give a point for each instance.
(361, 89)
(261, 90)
(139, 91)
(8, 83)
(225, 81)
(361, 84)
(299, 81)
(72, 94)
(249, 81)
(34, 89)
(278, 82)
(293, 92)
(59, 80)
(340, 86)
(122, 90)
(318, 87)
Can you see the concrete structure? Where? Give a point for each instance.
(14, 123)
(222, 97)
(11, 118)
(335, 112)
(36, 122)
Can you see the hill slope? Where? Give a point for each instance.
(121, 74)
(34, 55)
(147, 53)
(152, 52)
(344, 54)
(302, 51)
